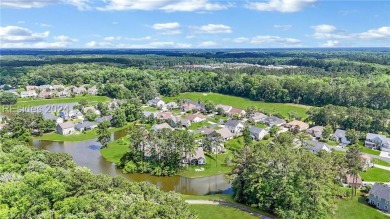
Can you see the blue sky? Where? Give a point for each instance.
(194, 23)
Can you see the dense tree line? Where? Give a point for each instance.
(291, 183)
(41, 184)
(157, 152)
(121, 82)
(361, 119)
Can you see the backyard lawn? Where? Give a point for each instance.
(369, 151)
(357, 208)
(235, 143)
(76, 137)
(375, 175)
(196, 125)
(219, 212)
(23, 102)
(242, 103)
(115, 150)
(210, 168)
(380, 162)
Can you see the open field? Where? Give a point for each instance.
(115, 150)
(76, 137)
(375, 175)
(242, 103)
(226, 198)
(219, 212)
(357, 208)
(212, 167)
(24, 102)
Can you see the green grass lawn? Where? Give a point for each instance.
(223, 197)
(23, 102)
(219, 212)
(375, 175)
(197, 125)
(235, 143)
(260, 125)
(76, 137)
(242, 103)
(212, 167)
(380, 162)
(357, 208)
(115, 150)
(150, 109)
(332, 143)
(369, 151)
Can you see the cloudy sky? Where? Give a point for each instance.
(194, 23)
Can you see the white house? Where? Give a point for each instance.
(156, 102)
(65, 128)
(196, 118)
(234, 126)
(257, 133)
(27, 94)
(377, 141)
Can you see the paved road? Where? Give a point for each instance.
(228, 204)
(387, 159)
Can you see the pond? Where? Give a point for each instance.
(86, 154)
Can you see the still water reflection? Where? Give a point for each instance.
(86, 153)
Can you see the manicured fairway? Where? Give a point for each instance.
(242, 103)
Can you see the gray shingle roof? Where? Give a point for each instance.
(381, 190)
(232, 123)
(66, 125)
(255, 130)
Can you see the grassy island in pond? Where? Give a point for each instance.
(243, 103)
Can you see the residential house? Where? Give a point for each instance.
(197, 158)
(296, 123)
(156, 102)
(31, 87)
(104, 118)
(79, 90)
(367, 163)
(45, 87)
(225, 133)
(353, 181)
(63, 93)
(93, 90)
(196, 118)
(161, 126)
(236, 111)
(148, 114)
(52, 117)
(45, 94)
(258, 117)
(316, 131)
(190, 105)
(177, 122)
(206, 131)
(172, 105)
(234, 126)
(273, 120)
(377, 141)
(379, 196)
(226, 109)
(257, 133)
(65, 128)
(58, 87)
(71, 114)
(339, 136)
(84, 126)
(164, 115)
(92, 108)
(114, 104)
(28, 94)
(315, 146)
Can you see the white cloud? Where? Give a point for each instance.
(214, 28)
(273, 39)
(120, 38)
(95, 44)
(241, 40)
(380, 33)
(63, 38)
(284, 6)
(207, 44)
(20, 34)
(325, 31)
(115, 22)
(151, 45)
(331, 43)
(166, 26)
(80, 4)
(283, 27)
(44, 25)
(19, 37)
(164, 5)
